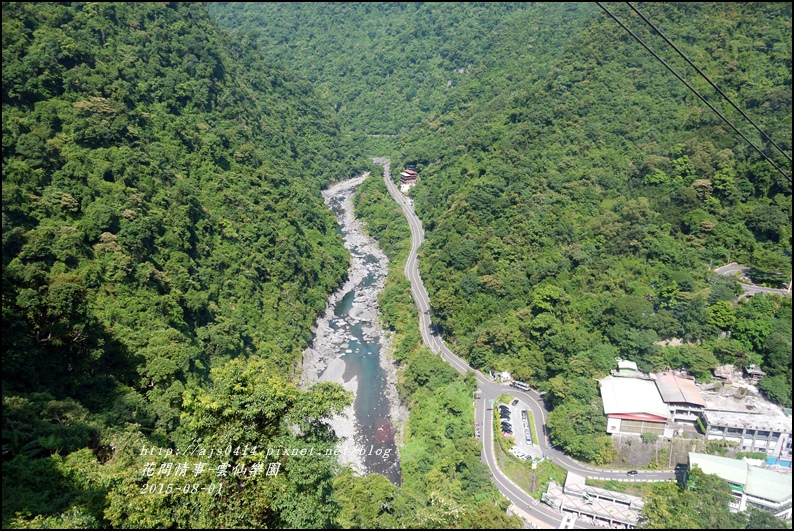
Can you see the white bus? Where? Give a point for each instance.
(520, 385)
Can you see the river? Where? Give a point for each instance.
(351, 348)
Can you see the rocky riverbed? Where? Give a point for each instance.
(351, 348)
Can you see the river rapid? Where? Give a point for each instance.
(351, 348)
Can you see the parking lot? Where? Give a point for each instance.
(516, 414)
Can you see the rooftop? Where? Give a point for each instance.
(757, 481)
(731, 470)
(675, 389)
(753, 370)
(576, 485)
(632, 396)
(748, 421)
(767, 484)
(735, 401)
(593, 506)
(626, 364)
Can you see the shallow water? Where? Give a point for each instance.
(354, 337)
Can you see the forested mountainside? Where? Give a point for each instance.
(166, 249)
(384, 66)
(574, 192)
(574, 218)
(165, 253)
(445, 485)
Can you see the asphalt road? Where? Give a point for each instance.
(733, 269)
(489, 390)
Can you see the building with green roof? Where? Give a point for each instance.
(755, 486)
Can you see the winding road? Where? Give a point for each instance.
(540, 514)
(738, 270)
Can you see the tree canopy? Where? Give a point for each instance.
(166, 249)
(164, 237)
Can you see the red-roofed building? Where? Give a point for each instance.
(633, 405)
(407, 179)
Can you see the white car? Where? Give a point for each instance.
(516, 451)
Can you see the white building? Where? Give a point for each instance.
(594, 505)
(633, 405)
(770, 434)
(758, 487)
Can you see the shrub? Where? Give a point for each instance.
(649, 437)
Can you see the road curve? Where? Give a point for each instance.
(739, 270)
(489, 390)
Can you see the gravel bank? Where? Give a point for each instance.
(322, 361)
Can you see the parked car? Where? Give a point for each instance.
(516, 451)
(514, 402)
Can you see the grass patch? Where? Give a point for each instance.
(751, 455)
(534, 482)
(518, 471)
(641, 489)
(547, 471)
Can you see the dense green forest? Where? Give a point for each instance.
(574, 192)
(165, 252)
(166, 249)
(445, 485)
(574, 220)
(382, 66)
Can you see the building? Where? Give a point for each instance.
(502, 376)
(770, 434)
(407, 179)
(593, 505)
(670, 402)
(681, 396)
(627, 368)
(758, 487)
(753, 374)
(739, 400)
(634, 405)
